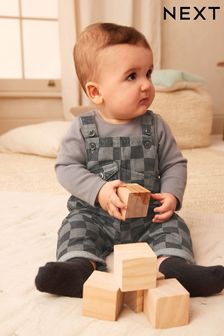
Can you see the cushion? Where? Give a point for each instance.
(42, 139)
(172, 80)
(189, 115)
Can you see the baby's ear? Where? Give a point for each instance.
(93, 92)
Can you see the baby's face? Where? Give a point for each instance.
(124, 79)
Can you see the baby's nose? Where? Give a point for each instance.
(145, 85)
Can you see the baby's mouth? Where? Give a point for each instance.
(144, 101)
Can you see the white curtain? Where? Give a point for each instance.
(75, 15)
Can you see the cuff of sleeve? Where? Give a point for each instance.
(95, 191)
(179, 204)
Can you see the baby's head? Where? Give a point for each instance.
(114, 65)
(97, 37)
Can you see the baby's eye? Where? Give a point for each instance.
(149, 73)
(132, 76)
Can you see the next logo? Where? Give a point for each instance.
(191, 13)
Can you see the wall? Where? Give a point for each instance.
(16, 112)
(29, 101)
(196, 46)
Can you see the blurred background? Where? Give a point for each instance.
(37, 76)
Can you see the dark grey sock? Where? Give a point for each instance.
(198, 280)
(64, 278)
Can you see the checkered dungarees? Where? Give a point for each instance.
(89, 231)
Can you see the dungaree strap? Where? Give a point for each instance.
(147, 124)
(88, 126)
(149, 135)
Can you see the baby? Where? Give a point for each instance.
(119, 141)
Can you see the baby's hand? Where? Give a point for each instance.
(109, 200)
(166, 209)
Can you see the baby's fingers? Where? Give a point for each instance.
(115, 212)
(120, 205)
(114, 207)
(161, 208)
(115, 200)
(162, 217)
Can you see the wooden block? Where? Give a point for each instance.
(102, 298)
(167, 305)
(134, 300)
(136, 198)
(135, 266)
(160, 276)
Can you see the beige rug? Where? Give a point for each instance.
(33, 204)
(28, 226)
(23, 172)
(205, 186)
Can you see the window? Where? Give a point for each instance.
(30, 55)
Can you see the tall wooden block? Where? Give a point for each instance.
(136, 198)
(135, 266)
(167, 305)
(102, 298)
(134, 300)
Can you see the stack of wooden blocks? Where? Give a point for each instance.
(135, 281)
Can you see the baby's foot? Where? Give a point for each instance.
(198, 280)
(64, 278)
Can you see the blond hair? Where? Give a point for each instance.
(96, 37)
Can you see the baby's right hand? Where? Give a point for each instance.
(109, 200)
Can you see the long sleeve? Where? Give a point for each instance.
(172, 164)
(71, 168)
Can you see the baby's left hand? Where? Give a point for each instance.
(166, 209)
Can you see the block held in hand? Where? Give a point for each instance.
(136, 198)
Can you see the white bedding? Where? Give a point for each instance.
(32, 208)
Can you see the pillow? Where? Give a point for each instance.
(173, 80)
(189, 115)
(42, 139)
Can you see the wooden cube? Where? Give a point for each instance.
(102, 298)
(134, 300)
(167, 305)
(136, 198)
(135, 266)
(160, 276)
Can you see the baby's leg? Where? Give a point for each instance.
(81, 238)
(64, 278)
(172, 239)
(198, 280)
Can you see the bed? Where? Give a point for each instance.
(33, 205)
